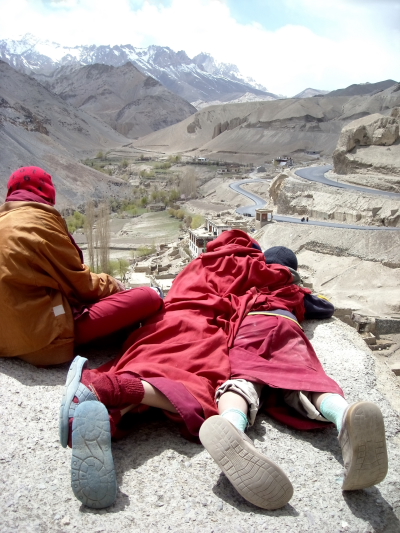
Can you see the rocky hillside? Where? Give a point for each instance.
(38, 128)
(198, 79)
(294, 196)
(127, 100)
(257, 131)
(370, 144)
(356, 270)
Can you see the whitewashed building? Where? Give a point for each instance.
(212, 228)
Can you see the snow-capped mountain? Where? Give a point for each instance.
(198, 79)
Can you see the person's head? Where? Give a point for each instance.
(34, 180)
(282, 256)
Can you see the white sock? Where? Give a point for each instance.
(237, 418)
(333, 408)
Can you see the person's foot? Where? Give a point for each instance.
(363, 443)
(93, 477)
(75, 392)
(254, 476)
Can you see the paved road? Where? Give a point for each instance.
(317, 174)
(258, 201)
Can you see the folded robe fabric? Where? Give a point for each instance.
(184, 348)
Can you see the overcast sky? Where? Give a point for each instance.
(286, 45)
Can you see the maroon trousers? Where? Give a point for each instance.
(115, 313)
(274, 351)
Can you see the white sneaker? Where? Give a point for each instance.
(363, 443)
(255, 477)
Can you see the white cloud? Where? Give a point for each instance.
(356, 42)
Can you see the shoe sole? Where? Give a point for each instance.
(256, 478)
(93, 478)
(73, 379)
(369, 461)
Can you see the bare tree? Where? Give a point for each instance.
(103, 237)
(88, 230)
(97, 231)
(187, 184)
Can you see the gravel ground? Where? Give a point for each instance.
(169, 484)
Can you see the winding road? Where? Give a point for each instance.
(316, 174)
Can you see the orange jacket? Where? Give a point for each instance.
(41, 275)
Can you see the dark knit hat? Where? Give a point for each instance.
(33, 179)
(281, 255)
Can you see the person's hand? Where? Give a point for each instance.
(121, 286)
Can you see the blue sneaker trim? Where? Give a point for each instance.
(71, 385)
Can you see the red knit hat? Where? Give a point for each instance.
(33, 179)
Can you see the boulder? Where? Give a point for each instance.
(373, 130)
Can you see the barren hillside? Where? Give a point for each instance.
(258, 131)
(123, 97)
(39, 128)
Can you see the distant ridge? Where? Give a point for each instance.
(308, 93)
(359, 89)
(256, 132)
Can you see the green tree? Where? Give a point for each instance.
(173, 196)
(75, 221)
(145, 250)
(119, 267)
(197, 221)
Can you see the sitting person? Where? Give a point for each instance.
(271, 354)
(49, 300)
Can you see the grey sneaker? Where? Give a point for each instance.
(73, 388)
(254, 476)
(93, 477)
(363, 443)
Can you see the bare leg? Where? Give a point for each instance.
(154, 398)
(232, 400)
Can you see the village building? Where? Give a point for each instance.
(156, 207)
(199, 238)
(263, 216)
(283, 161)
(232, 169)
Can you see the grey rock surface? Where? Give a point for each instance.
(169, 484)
(362, 143)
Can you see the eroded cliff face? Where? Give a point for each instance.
(369, 144)
(296, 197)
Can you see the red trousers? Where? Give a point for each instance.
(115, 313)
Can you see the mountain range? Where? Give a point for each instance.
(77, 110)
(200, 79)
(129, 101)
